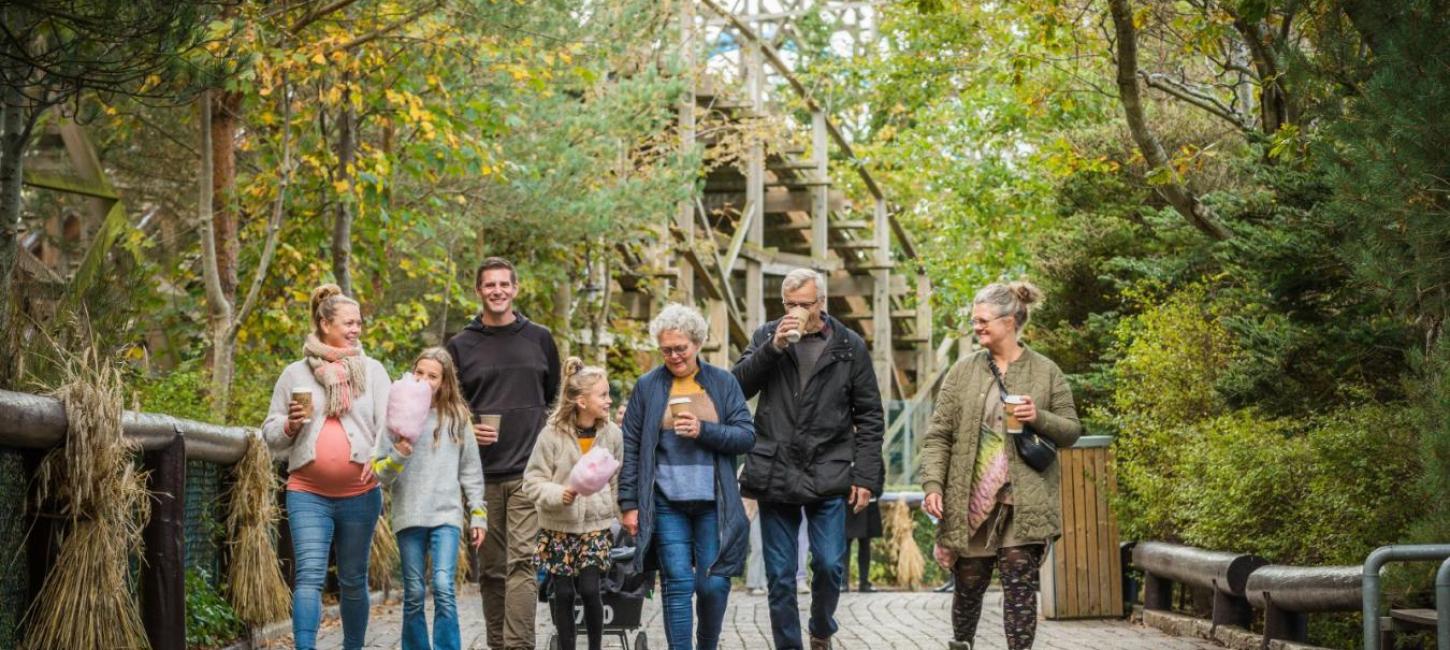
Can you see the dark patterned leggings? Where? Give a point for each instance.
(1020, 580)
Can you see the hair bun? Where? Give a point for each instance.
(323, 292)
(572, 366)
(1026, 293)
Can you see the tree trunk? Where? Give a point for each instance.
(13, 134)
(342, 227)
(1172, 189)
(225, 109)
(219, 309)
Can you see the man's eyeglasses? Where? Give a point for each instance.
(803, 305)
(675, 351)
(978, 323)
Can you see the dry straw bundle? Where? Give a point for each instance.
(258, 591)
(86, 601)
(900, 529)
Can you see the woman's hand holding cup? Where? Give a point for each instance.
(296, 416)
(687, 425)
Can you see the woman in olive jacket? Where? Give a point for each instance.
(994, 510)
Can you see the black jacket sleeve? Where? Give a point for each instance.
(869, 418)
(755, 366)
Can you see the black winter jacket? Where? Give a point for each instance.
(812, 443)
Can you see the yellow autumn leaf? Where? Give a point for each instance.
(319, 58)
(340, 186)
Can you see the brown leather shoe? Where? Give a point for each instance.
(820, 644)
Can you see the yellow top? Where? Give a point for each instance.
(686, 386)
(585, 444)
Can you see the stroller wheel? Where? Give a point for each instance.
(640, 642)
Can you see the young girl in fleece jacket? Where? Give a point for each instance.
(425, 477)
(573, 544)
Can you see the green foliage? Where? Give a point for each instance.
(210, 620)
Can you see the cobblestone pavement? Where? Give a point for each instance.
(879, 621)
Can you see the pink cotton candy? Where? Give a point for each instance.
(409, 401)
(593, 471)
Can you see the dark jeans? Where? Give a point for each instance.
(687, 536)
(825, 526)
(317, 522)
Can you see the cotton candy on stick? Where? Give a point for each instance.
(408, 403)
(593, 471)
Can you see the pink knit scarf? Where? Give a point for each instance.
(340, 371)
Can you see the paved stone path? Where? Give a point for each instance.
(880, 621)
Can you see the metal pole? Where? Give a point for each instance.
(39, 422)
(1377, 560)
(1442, 606)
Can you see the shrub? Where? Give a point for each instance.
(210, 620)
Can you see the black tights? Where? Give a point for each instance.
(586, 585)
(863, 562)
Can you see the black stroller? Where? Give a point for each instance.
(622, 590)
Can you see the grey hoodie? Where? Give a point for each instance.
(426, 484)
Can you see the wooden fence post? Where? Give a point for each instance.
(163, 580)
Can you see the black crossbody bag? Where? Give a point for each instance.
(1036, 450)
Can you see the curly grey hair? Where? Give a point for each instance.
(680, 318)
(799, 277)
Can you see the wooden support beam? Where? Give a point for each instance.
(820, 206)
(881, 302)
(163, 578)
(754, 184)
(924, 323)
(844, 283)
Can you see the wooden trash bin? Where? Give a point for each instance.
(1082, 577)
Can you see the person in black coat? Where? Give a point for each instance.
(819, 424)
(861, 527)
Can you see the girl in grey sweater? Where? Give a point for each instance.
(573, 542)
(427, 512)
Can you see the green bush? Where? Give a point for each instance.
(210, 620)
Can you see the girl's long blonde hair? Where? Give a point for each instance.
(577, 379)
(453, 414)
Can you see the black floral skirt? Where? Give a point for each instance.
(565, 554)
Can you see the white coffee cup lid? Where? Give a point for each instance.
(301, 389)
(1015, 399)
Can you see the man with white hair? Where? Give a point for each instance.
(819, 424)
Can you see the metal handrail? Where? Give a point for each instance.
(39, 422)
(1442, 606)
(1371, 592)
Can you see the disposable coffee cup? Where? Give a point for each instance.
(1009, 404)
(488, 419)
(800, 314)
(679, 406)
(303, 396)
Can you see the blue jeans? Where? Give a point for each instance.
(317, 522)
(826, 528)
(415, 545)
(687, 539)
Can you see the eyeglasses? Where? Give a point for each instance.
(803, 305)
(675, 351)
(978, 323)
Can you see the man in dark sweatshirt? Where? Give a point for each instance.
(509, 367)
